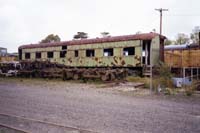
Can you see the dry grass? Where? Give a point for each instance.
(144, 80)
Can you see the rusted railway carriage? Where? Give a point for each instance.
(130, 51)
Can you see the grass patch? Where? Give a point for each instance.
(144, 80)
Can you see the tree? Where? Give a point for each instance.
(182, 38)
(138, 32)
(168, 42)
(194, 36)
(51, 38)
(105, 34)
(81, 35)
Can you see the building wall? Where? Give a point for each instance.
(3, 51)
(7, 58)
(183, 58)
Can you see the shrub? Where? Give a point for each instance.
(139, 79)
(162, 76)
(190, 90)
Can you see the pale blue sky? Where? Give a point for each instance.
(29, 21)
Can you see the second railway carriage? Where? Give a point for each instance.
(129, 51)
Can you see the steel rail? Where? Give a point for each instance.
(44, 122)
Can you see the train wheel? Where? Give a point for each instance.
(104, 77)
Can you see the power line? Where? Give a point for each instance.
(183, 15)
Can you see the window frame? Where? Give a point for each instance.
(126, 50)
(63, 54)
(107, 50)
(27, 55)
(36, 56)
(49, 53)
(64, 47)
(87, 51)
(76, 53)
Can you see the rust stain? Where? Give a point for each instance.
(123, 63)
(70, 60)
(96, 59)
(115, 59)
(138, 58)
(138, 64)
(129, 65)
(113, 64)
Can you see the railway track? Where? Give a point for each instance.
(29, 125)
(7, 128)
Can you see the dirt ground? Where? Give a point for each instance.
(96, 107)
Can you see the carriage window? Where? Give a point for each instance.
(64, 47)
(76, 53)
(90, 53)
(20, 54)
(63, 54)
(129, 51)
(50, 54)
(108, 52)
(27, 55)
(38, 55)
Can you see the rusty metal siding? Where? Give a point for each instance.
(118, 59)
(99, 60)
(43, 51)
(155, 55)
(105, 45)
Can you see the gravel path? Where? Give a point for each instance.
(88, 107)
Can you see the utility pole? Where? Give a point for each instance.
(151, 62)
(161, 11)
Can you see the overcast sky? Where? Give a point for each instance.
(29, 21)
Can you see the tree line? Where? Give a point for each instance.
(79, 35)
(181, 38)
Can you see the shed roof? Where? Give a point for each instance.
(145, 36)
(182, 47)
(2, 48)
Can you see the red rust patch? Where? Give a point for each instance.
(113, 64)
(123, 63)
(115, 59)
(96, 59)
(70, 60)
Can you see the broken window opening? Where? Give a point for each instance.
(90, 53)
(27, 55)
(50, 54)
(63, 54)
(38, 55)
(20, 54)
(76, 53)
(108, 52)
(129, 51)
(64, 47)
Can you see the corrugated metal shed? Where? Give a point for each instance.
(176, 47)
(182, 46)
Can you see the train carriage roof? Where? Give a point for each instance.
(145, 36)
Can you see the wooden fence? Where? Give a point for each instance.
(182, 58)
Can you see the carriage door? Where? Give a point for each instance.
(146, 53)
